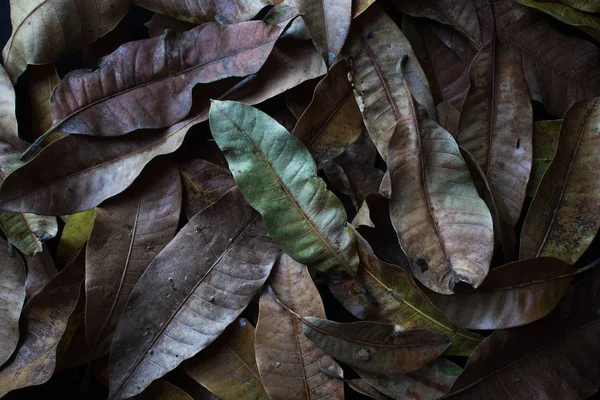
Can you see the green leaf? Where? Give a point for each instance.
(76, 232)
(565, 14)
(278, 177)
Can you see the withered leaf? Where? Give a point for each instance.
(94, 103)
(328, 22)
(205, 183)
(459, 14)
(40, 270)
(159, 23)
(584, 5)
(304, 218)
(373, 346)
(196, 286)
(228, 366)
(163, 390)
(222, 11)
(332, 121)
(565, 344)
(496, 127)
(43, 322)
(382, 58)
(12, 297)
(545, 139)
(564, 215)
(428, 383)
(443, 225)
(559, 69)
(42, 81)
(8, 119)
(290, 364)
(130, 229)
(361, 386)
(512, 295)
(566, 14)
(44, 30)
(398, 300)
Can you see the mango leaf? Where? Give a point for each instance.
(42, 81)
(305, 219)
(12, 297)
(377, 46)
(373, 346)
(360, 6)
(459, 14)
(159, 23)
(205, 183)
(428, 383)
(446, 71)
(40, 270)
(228, 366)
(496, 127)
(163, 390)
(584, 5)
(363, 387)
(569, 189)
(443, 226)
(328, 22)
(223, 12)
(129, 231)
(512, 295)
(24, 230)
(545, 139)
(398, 300)
(449, 117)
(559, 69)
(299, 98)
(43, 322)
(74, 235)
(45, 30)
(565, 14)
(205, 277)
(93, 103)
(332, 121)
(291, 365)
(567, 348)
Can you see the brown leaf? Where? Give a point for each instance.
(228, 366)
(361, 386)
(40, 270)
(12, 297)
(159, 23)
(205, 183)
(443, 225)
(163, 390)
(328, 22)
(43, 322)
(130, 229)
(42, 81)
(545, 140)
(332, 121)
(290, 364)
(459, 14)
(373, 346)
(222, 11)
(512, 295)
(554, 358)
(363, 178)
(496, 125)
(396, 299)
(377, 47)
(204, 278)
(44, 30)
(559, 69)
(564, 215)
(8, 120)
(448, 117)
(93, 103)
(428, 383)
(297, 99)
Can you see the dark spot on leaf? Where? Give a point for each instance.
(370, 35)
(422, 264)
(518, 143)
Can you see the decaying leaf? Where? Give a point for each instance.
(130, 229)
(44, 30)
(443, 225)
(12, 297)
(496, 127)
(290, 365)
(40, 270)
(305, 219)
(228, 366)
(375, 347)
(160, 23)
(42, 81)
(382, 57)
(205, 183)
(545, 139)
(398, 300)
(94, 103)
(512, 295)
(564, 215)
(204, 278)
(163, 390)
(43, 322)
(332, 121)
